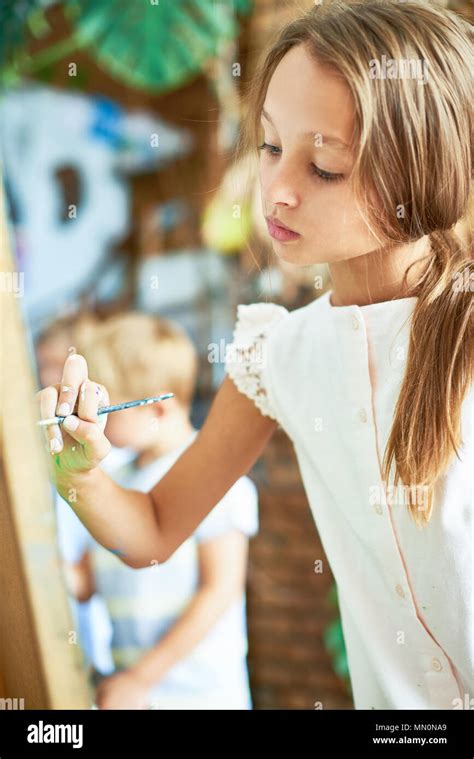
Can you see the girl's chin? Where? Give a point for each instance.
(296, 255)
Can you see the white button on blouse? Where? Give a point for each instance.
(330, 376)
(362, 415)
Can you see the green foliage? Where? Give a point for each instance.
(156, 45)
(13, 24)
(334, 641)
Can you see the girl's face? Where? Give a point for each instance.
(306, 164)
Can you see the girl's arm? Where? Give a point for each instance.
(222, 575)
(146, 528)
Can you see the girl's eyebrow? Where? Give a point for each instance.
(326, 139)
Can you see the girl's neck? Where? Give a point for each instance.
(380, 275)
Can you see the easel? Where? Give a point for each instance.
(40, 664)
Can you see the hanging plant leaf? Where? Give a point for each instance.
(156, 45)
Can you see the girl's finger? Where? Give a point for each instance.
(88, 403)
(48, 400)
(74, 374)
(92, 396)
(104, 400)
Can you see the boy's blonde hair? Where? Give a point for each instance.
(136, 355)
(413, 147)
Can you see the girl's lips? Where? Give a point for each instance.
(280, 233)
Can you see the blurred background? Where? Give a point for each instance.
(118, 122)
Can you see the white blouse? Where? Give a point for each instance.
(330, 376)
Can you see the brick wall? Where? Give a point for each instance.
(288, 604)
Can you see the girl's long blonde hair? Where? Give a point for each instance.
(413, 147)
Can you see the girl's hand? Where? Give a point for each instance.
(122, 691)
(78, 450)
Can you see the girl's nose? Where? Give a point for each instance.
(282, 188)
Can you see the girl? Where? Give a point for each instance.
(362, 113)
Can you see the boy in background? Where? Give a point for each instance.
(179, 634)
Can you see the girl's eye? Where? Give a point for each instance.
(325, 175)
(268, 148)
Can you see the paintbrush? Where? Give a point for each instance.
(109, 409)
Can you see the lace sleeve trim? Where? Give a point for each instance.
(246, 356)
